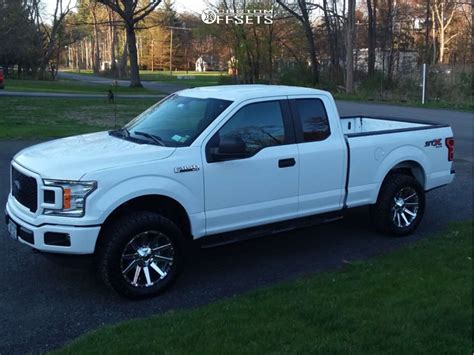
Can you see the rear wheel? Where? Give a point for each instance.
(400, 205)
(141, 254)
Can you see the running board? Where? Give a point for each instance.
(267, 229)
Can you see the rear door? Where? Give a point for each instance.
(261, 187)
(322, 153)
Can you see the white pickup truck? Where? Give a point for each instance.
(219, 163)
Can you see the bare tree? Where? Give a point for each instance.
(53, 36)
(132, 11)
(371, 35)
(113, 41)
(301, 12)
(427, 32)
(350, 29)
(443, 12)
(96, 48)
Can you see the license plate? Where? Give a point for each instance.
(12, 229)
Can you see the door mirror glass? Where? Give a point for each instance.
(230, 147)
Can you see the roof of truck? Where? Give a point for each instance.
(248, 91)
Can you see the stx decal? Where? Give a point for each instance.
(437, 143)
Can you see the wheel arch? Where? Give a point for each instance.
(409, 167)
(162, 204)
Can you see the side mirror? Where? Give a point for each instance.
(230, 147)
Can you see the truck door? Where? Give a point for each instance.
(322, 154)
(251, 168)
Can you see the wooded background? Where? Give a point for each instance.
(340, 45)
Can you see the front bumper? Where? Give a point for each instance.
(82, 240)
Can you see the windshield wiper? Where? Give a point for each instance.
(123, 132)
(153, 137)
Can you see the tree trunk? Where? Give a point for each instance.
(371, 40)
(256, 64)
(113, 41)
(95, 46)
(331, 41)
(122, 68)
(441, 43)
(427, 33)
(390, 20)
(312, 54)
(86, 45)
(350, 27)
(132, 50)
(270, 53)
(433, 35)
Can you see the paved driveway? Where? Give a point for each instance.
(43, 305)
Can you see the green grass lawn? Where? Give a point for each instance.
(181, 77)
(414, 300)
(69, 86)
(191, 78)
(38, 117)
(75, 71)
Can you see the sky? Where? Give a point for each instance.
(193, 6)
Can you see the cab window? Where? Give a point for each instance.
(259, 125)
(313, 118)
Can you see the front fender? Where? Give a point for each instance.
(108, 199)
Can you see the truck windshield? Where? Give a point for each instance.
(175, 121)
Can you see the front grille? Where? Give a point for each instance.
(25, 190)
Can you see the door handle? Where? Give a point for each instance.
(286, 163)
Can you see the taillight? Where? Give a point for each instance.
(450, 145)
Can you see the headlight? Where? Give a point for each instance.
(74, 194)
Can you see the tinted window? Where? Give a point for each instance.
(259, 125)
(314, 121)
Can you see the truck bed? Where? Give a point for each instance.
(362, 125)
(377, 144)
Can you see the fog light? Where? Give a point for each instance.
(57, 239)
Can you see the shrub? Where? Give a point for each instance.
(297, 76)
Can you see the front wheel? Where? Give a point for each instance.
(400, 205)
(141, 254)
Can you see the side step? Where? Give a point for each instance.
(267, 229)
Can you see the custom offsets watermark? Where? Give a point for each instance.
(250, 17)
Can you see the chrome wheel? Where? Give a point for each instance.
(147, 259)
(405, 207)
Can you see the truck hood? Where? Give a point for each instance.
(70, 158)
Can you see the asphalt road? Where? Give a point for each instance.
(43, 305)
(74, 95)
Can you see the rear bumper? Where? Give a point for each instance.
(439, 179)
(73, 240)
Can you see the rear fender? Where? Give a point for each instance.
(409, 154)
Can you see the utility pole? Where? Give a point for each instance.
(171, 51)
(152, 55)
(171, 44)
(423, 92)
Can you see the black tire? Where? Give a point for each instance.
(120, 237)
(384, 212)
